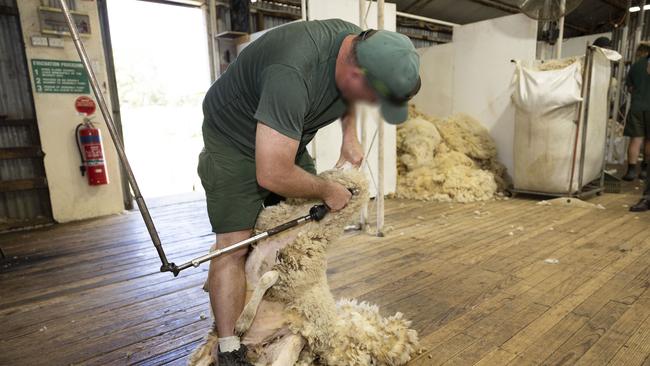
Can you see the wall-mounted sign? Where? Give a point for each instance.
(85, 105)
(53, 21)
(52, 76)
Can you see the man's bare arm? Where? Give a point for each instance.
(351, 150)
(276, 171)
(349, 124)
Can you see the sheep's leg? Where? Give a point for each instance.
(284, 351)
(289, 351)
(246, 318)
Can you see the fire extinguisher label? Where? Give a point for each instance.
(93, 153)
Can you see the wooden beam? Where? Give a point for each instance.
(497, 5)
(13, 224)
(22, 184)
(514, 10)
(416, 5)
(426, 38)
(404, 22)
(17, 122)
(576, 27)
(21, 152)
(618, 4)
(278, 13)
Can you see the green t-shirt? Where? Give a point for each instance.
(639, 79)
(284, 79)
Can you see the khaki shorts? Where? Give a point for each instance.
(234, 198)
(638, 124)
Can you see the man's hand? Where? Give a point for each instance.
(336, 196)
(352, 152)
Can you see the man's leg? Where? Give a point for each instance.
(644, 203)
(635, 129)
(227, 283)
(633, 157)
(646, 192)
(646, 157)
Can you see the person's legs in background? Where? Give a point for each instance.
(633, 157)
(646, 191)
(635, 130)
(646, 150)
(643, 174)
(644, 202)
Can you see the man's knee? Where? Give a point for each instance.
(225, 240)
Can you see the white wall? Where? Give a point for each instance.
(72, 198)
(328, 139)
(436, 71)
(571, 47)
(483, 73)
(473, 75)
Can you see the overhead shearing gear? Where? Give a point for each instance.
(316, 213)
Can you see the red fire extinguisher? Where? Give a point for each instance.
(91, 152)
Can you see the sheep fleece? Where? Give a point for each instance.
(447, 160)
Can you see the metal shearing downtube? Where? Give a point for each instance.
(166, 266)
(316, 213)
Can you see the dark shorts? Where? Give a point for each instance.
(638, 124)
(234, 198)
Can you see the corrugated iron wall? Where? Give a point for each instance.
(24, 198)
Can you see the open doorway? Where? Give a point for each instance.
(162, 71)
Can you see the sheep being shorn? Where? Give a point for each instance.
(291, 316)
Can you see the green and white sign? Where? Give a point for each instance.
(52, 76)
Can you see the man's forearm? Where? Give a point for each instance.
(295, 182)
(349, 127)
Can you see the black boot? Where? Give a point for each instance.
(631, 173)
(234, 358)
(644, 171)
(642, 206)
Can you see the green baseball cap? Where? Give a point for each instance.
(392, 68)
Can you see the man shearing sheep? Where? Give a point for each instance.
(259, 117)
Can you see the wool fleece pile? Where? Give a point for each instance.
(452, 160)
(291, 317)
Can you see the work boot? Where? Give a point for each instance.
(644, 171)
(631, 173)
(642, 206)
(234, 358)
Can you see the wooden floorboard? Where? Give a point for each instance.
(506, 282)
